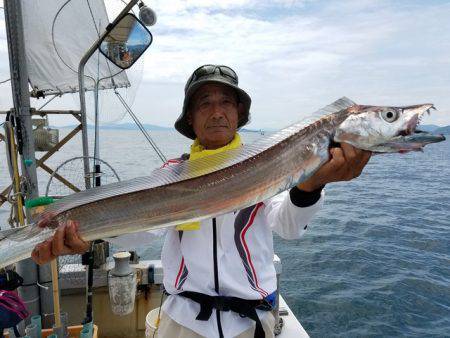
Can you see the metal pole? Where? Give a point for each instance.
(21, 98)
(84, 136)
(89, 256)
(83, 62)
(96, 171)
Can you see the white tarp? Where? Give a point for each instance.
(57, 34)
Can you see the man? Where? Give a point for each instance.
(220, 273)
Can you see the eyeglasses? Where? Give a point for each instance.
(211, 69)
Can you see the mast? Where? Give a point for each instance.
(30, 292)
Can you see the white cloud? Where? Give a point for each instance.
(296, 56)
(304, 59)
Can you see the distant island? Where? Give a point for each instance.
(121, 126)
(131, 126)
(435, 129)
(442, 130)
(153, 127)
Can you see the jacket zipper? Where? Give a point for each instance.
(216, 274)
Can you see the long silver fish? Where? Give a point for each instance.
(231, 180)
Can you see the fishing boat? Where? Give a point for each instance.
(49, 60)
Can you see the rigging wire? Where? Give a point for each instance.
(4, 81)
(98, 53)
(50, 100)
(141, 127)
(93, 18)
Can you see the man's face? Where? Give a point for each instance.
(214, 114)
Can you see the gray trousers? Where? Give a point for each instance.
(168, 328)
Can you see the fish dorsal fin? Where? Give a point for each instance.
(338, 105)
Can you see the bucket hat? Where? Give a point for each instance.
(211, 74)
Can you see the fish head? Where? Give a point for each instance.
(385, 129)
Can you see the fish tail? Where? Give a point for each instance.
(7, 233)
(18, 243)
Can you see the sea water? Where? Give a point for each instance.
(374, 262)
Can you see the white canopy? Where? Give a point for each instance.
(57, 34)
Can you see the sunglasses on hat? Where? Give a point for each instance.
(207, 70)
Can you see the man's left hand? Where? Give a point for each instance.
(345, 164)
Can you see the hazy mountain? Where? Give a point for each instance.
(133, 126)
(435, 129)
(427, 127)
(442, 130)
(124, 126)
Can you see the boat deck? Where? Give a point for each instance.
(292, 327)
(72, 283)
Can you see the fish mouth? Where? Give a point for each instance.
(410, 138)
(414, 141)
(416, 113)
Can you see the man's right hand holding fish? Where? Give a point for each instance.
(65, 241)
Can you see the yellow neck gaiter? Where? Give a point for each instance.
(198, 151)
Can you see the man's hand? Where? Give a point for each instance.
(345, 164)
(65, 241)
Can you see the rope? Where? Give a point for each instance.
(12, 198)
(42, 286)
(31, 300)
(159, 312)
(50, 100)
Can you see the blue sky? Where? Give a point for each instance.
(294, 57)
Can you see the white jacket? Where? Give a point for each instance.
(244, 247)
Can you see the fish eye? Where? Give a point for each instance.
(390, 115)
